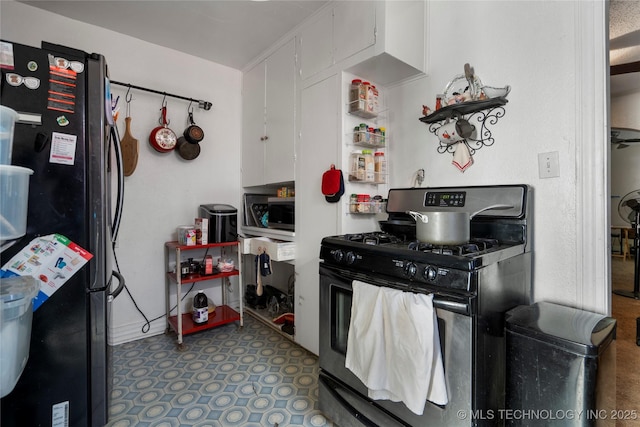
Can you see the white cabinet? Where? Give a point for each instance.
(354, 28)
(399, 51)
(268, 143)
(315, 217)
(316, 41)
(383, 41)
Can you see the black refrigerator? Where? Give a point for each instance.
(65, 135)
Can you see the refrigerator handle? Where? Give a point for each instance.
(121, 283)
(115, 225)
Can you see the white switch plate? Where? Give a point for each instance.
(549, 165)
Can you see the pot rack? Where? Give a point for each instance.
(205, 105)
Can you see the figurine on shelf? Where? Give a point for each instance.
(458, 98)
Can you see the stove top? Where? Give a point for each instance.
(469, 255)
(395, 253)
(474, 246)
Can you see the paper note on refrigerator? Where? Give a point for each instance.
(51, 259)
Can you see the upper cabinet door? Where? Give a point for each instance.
(253, 125)
(316, 45)
(354, 27)
(280, 104)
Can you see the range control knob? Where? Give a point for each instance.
(410, 269)
(338, 255)
(351, 257)
(430, 273)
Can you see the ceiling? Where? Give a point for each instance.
(230, 33)
(235, 32)
(624, 44)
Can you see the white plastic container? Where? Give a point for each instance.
(16, 312)
(186, 235)
(14, 197)
(8, 119)
(358, 167)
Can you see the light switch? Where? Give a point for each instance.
(549, 164)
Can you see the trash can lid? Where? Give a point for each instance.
(219, 208)
(576, 330)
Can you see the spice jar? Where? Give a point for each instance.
(357, 96)
(363, 203)
(369, 166)
(353, 203)
(357, 168)
(380, 167)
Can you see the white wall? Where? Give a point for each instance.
(625, 163)
(533, 47)
(165, 190)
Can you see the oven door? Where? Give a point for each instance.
(343, 397)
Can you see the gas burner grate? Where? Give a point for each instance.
(372, 238)
(474, 246)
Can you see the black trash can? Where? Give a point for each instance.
(223, 222)
(560, 367)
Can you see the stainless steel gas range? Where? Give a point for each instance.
(473, 284)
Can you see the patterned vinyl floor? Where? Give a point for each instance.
(226, 376)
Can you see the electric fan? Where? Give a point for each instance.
(629, 211)
(623, 137)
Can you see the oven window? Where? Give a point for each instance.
(340, 318)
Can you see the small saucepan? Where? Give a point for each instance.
(186, 150)
(194, 133)
(446, 228)
(162, 138)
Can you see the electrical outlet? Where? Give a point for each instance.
(549, 165)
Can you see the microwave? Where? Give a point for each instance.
(282, 212)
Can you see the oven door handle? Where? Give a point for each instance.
(456, 307)
(332, 387)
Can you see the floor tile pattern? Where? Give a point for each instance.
(226, 376)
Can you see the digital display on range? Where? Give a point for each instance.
(449, 199)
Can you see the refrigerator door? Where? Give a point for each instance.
(62, 138)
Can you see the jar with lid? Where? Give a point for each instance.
(372, 99)
(380, 167)
(357, 96)
(362, 133)
(369, 166)
(353, 203)
(358, 166)
(363, 203)
(356, 135)
(377, 204)
(377, 134)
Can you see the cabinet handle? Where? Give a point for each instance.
(264, 138)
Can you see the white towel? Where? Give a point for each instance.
(393, 346)
(462, 157)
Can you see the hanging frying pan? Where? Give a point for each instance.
(193, 134)
(187, 150)
(162, 138)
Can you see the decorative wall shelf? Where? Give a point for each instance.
(481, 114)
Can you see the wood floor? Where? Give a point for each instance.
(625, 311)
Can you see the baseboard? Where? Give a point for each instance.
(133, 331)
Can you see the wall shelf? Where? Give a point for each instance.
(481, 114)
